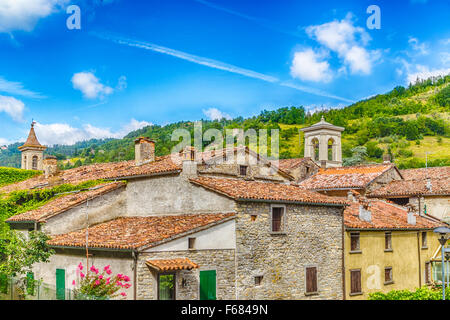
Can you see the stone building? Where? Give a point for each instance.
(223, 224)
(32, 152)
(426, 189)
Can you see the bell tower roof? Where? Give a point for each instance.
(322, 124)
(32, 141)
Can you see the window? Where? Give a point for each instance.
(388, 275)
(355, 282)
(243, 170)
(166, 286)
(191, 243)
(354, 242)
(258, 280)
(192, 155)
(427, 272)
(277, 219)
(388, 241)
(34, 165)
(60, 284)
(311, 280)
(424, 240)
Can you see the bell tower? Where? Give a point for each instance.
(32, 152)
(323, 144)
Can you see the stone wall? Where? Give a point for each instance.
(383, 179)
(312, 237)
(223, 261)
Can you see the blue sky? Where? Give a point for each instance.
(133, 63)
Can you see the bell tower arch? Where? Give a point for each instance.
(323, 143)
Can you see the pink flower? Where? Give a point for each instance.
(108, 271)
(73, 282)
(97, 282)
(126, 278)
(94, 270)
(106, 268)
(82, 274)
(119, 283)
(107, 280)
(123, 294)
(80, 266)
(119, 276)
(127, 285)
(100, 277)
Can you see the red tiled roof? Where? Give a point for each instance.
(355, 177)
(64, 203)
(172, 264)
(110, 170)
(384, 215)
(403, 188)
(136, 232)
(424, 173)
(289, 164)
(252, 190)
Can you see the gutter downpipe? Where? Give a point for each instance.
(134, 254)
(418, 252)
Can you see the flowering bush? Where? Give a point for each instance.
(96, 285)
(424, 293)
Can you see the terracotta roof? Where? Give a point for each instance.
(289, 164)
(253, 190)
(136, 232)
(111, 170)
(385, 215)
(355, 177)
(32, 140)
(403, 188)
(64, 203)
(423, 173)
(172, 264)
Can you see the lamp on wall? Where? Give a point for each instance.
(443, 231)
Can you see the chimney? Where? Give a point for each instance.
(323, 164)
(429, 185)
(50, 166)
(144, 150)
(350, 196)
(386, 158)
(364, 211)
(411, 216)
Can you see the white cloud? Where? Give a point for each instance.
(63, 133)
(306, 65)
(13, 107)
(216, 114)
(3, 142)
(90, 85)
(348, 41)
(416, 45)
(122, 83)
(424, 72)
(445, 58)
(17, 88)
(24, 14)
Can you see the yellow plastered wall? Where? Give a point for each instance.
(373, 259)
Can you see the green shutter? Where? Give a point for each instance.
(208, 285)
(60, 284)
(30, 283)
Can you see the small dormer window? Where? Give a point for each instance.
(191, 243)
(243, 170)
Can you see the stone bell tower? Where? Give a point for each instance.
(32, 152)
(323, 144)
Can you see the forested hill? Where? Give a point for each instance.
(405, 122)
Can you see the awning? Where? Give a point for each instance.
(171, 264)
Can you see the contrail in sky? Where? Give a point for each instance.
(213, 64)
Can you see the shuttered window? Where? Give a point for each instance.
(311, 279)
(388, 275)
(424, 240)
(355, 281)
(354, 241)
(387, 241)
(427, 272)
(277, 219)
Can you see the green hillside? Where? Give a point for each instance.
(405, 122)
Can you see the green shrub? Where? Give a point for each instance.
(424, 293)
(13, 175)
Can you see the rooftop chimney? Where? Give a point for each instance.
(323, 164)
(144, 150)
(386, 158)
(50, 166)
(350, 196)
(411, 216)
(429, 185)
(364, 211)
